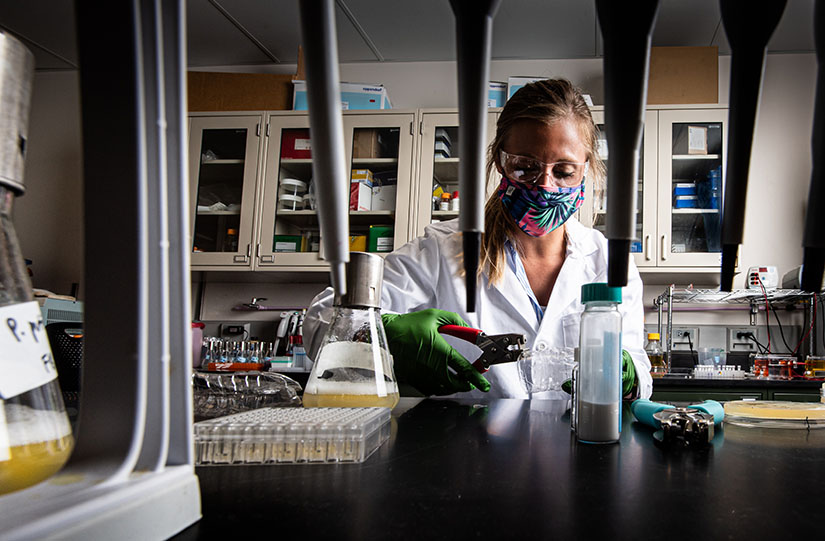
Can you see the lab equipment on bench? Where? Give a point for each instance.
(692, 426)
(759, 277)
(546, 370)
(216, 394)
(292, 436)
(495, 349)
(353, 366)
(748, 32)
(35, 434)
(656, 356)
(597, 380)
(775, 414)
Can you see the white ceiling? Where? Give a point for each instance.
(255, 32)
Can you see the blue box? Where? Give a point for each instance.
(684, 188)
(636, 247)
(497, 94)
(686, 202)
(353, 96)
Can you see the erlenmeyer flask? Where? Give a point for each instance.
(354, 366)
(35, 434)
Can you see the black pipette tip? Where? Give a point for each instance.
(472, 244)
(813, 267)
(618, 252)
(729, 254)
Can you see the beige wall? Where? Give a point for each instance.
(49, 216)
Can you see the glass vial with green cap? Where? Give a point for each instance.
(599, 378)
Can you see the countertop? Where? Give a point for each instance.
(507, 468)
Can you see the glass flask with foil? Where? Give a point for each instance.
(353, 366)
(35, 433)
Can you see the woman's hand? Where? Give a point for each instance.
(423, 359)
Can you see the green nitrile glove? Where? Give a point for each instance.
(422, 357)
(628, 376)
(628, 373)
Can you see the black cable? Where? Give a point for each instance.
(781, 332)
(693, 353)
(762, 348)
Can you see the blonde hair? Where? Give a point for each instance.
(548, 101)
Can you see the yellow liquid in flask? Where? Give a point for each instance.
(34, 453)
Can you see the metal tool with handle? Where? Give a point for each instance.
(692, 426)
(495, 349)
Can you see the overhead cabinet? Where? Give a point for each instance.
(678, 192)
(270, 191)
(254, 202)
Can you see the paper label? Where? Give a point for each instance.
(284, 246)
(25, 356)
(303, 144)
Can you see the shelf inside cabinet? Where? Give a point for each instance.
(695, 211)
(445, 214)
(374, 161)
(221, 162)
(360, 217)
(696, 156)
(219, 212)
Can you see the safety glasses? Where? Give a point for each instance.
(535, 172)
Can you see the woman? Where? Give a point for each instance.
(534, 259)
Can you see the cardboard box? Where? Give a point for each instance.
(295, 144)
(360, 196)
(361, 175)
(375, 143)
(496, 94)
(683, 75)
(287, 243)
(208, 91)
(380, 238)
(383, 197)
(358, 243)
(353, 96)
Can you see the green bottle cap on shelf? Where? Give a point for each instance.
(600, 291)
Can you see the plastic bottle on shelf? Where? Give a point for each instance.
(445, 201)
(231, 240)
(658, 367)
(455, 202)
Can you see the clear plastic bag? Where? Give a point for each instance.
(546, 370)
(216, 394)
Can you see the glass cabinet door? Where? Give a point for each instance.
(438, 197)
(691, 170)
(223, 154)
(379, 154)
(594, 211)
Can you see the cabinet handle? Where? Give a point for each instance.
(243, 258)
(664, 249)
(647, 248)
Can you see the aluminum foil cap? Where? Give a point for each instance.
(365, 278)
(16, 75)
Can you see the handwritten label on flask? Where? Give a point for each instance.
(25, 356)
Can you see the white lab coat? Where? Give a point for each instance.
(426, 273)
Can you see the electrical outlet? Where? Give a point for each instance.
(738, 339)
(235, 331)
(685, 338)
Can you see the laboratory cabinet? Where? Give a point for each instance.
(678, 192)
(438, 163)
(259, 211)
(253, 201)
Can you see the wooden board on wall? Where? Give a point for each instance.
(210, 91)
(683, 75)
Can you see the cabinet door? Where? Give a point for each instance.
(438, 167)
(692, 146)
(223, 168)
(379, 148)
(593, 212)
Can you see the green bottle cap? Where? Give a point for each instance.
(600, 291)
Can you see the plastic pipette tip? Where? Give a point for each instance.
(472, 243)
(729, 252)
(813, 266)
(618, 253)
